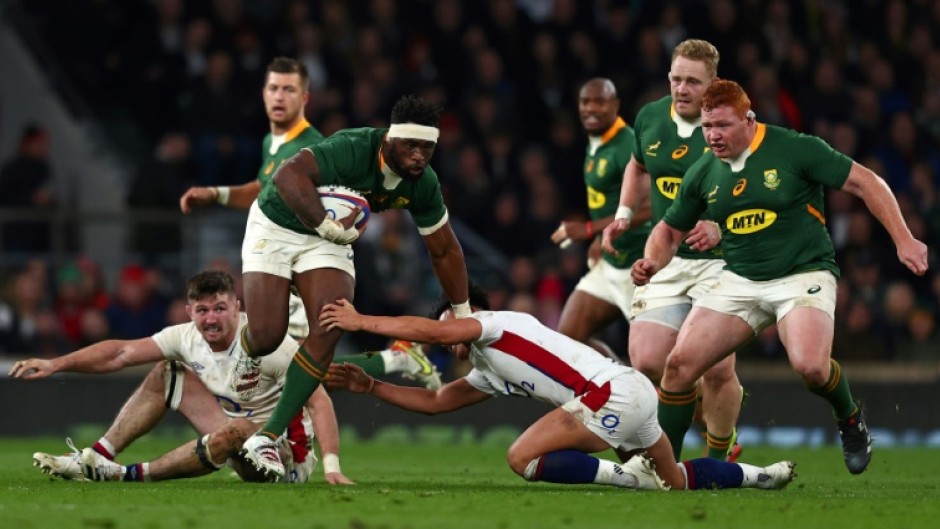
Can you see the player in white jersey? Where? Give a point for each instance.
(192, 378)
(600, 404)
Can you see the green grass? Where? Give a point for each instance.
(440, 486)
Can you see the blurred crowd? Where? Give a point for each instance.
(862, 74)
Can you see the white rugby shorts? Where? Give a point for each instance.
(276, 250)
(611, 284)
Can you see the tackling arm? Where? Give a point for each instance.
(871, 188)
(452, 396)
(343, 315)
(103, 357)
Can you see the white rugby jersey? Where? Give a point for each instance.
(517, 355)
(185, 343)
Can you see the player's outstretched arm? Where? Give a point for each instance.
(871, 188)
(102, 357)
(343, 315)
(452, 396)
(237, 197)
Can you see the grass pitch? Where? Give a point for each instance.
(437, 486)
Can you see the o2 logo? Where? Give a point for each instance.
(523, 389)
(610, 422)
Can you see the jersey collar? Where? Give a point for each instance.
(684, 127)
(595, 142)
(392, 179)
(295, 131)
(737, 164)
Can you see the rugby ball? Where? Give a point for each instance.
(339, 201)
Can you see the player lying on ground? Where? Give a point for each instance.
(191, 379)
(600, 404)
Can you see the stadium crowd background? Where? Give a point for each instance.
(182, 90)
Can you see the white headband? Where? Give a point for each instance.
(414, 131)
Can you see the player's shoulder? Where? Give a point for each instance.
(310, 135)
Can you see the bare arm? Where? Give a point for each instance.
(448, 263)
(634, 194)
(326, 428)
(879, 199)
(343, 315)
(296, 182)
(239, 197)
(103, 357)
(452, 396)
(660, 248)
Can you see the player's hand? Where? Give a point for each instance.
(704, 236)
(340, 315)
(569, 231)
(913, 254)
(642, 271)
(337, 478)
(594, 254)
(613, 230)
(339, 231)
(32, 369)
(349, 377)
(197, 196)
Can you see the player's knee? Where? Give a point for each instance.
(649, 365)
(813, 373)
(678, 370)
(230, 437)
(264, 339)
(519, 460)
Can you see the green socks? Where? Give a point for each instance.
(303, 377)
(675, 416)
(836, 392)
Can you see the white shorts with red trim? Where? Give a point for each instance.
(622, 411)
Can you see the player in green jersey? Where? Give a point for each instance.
(764, 184)
(606, 291)
(668, 141)
(290, 238)
(285, 95)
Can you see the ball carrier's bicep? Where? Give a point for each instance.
(296, 182)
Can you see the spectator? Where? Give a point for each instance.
(26, 181)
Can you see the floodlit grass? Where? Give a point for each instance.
(471, 486)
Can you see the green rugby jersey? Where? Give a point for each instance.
(301, 135)
(771, 209)
(667, 156)
(603, 174)
(352, 158)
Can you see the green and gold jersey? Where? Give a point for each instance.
(301, 135)
(769, 203)
(603, 174)
(667, 156)
(352, 158)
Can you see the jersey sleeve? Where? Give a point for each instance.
(170, 341)
(336, 159)
(492, 330)
(821, 163)
(276, 363)
(689, 204)
(478, 380)
(427, 209)
(637, 131)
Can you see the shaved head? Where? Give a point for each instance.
(598, 105)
